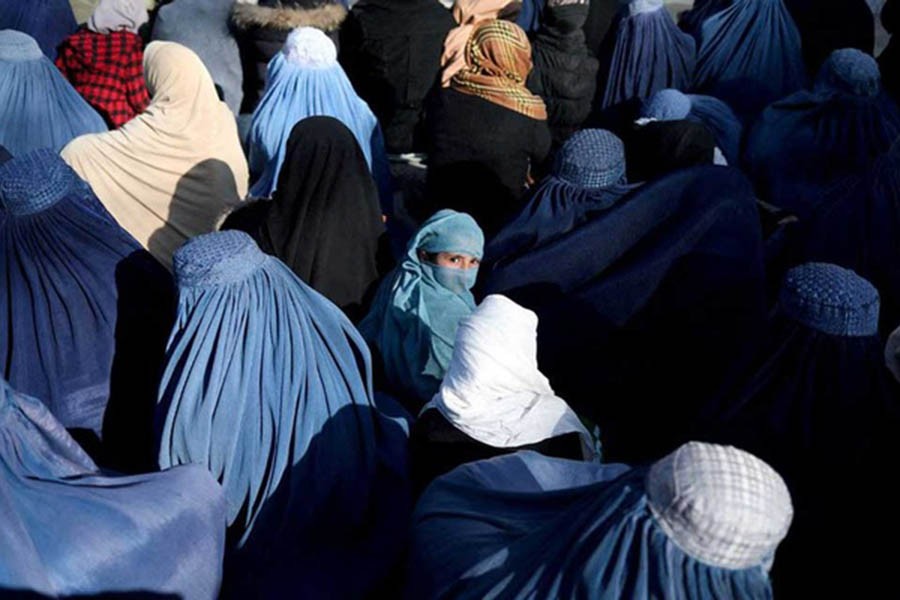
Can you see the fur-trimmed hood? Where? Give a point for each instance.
(327, 17)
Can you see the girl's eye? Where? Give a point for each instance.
(455, 259)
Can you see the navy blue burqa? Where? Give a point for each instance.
(4, 155)
(818, 406)
(691, 21)
(82, 305)
(656, 298)
(47, 21)
(749, 56)
(812, 138)
(268, 385)
(644, 52)
(66, 530)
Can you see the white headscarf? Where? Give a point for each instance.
(114, 15)
(493, 390)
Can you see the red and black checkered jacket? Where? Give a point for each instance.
(108, 71)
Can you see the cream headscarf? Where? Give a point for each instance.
(113, 15)
(493, 390)
(468, 13)
(172, 172)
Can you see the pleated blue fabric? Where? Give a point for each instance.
(415, 313)
(49, 22)
(66, 530)
(66, 267)
(679, 259)
(691, 21)
(647, 53)
(268, 385)
(588, 178)
(805, 142)
(305, 80)
(673, 105)
(749, 56)
(529, 526)
(38, 107)
(4, 155)
(819, 406)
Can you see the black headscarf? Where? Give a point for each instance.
(324, 220)
(4, 155)
(660, 147)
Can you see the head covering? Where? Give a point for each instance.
(468, 13)
(493, 390)
(497, 63)
(115, 15)
(65, 525)
(172, 172)
(673, 105)
(657, 148)
(588, 178)
(83, 9)
(417, 309)
(807, 141)
(269, 386)
(202, 26)
(49, 22)
(731, 64)
(66, 267)
(703, 522)
(678, 259)
(38, 107)
(645, 53)
(305, 80)
(817, 407)
(324, 221)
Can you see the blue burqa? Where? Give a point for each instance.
(588, 178)
(529, 526)
(82, 304)
(38, 107)
(691, 21)
(749, 56)
(644, 52)
(269, 386)
(415, 313)
(673, 105)
(305, 80)
(67, 530)
(679, 262)
(818, 405)
(49, 22)
(4, 155)
(805, 142)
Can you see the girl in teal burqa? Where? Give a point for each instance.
(413, 320)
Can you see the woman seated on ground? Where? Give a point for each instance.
(703, 523)
(486, 130)
(172, 172)
(38, 107)
(494, 400)
(414, 316)
(104, 61)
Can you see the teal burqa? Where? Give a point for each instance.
(417, 309)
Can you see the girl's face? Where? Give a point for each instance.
(450, 260)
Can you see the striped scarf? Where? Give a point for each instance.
(498, 59)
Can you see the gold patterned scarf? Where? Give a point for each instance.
(498, 60)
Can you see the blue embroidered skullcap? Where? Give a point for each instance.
(15, 45)
(216, 258)
(36, 181)
(637, 7)
(830, 299)
(850, 70)
(667, 105)
(592, 158)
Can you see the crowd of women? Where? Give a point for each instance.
(394, 298)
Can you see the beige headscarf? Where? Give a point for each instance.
(467, 13)
(172, 172)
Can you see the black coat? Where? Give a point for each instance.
(261, 31)
(565, 73)
(391, 50)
